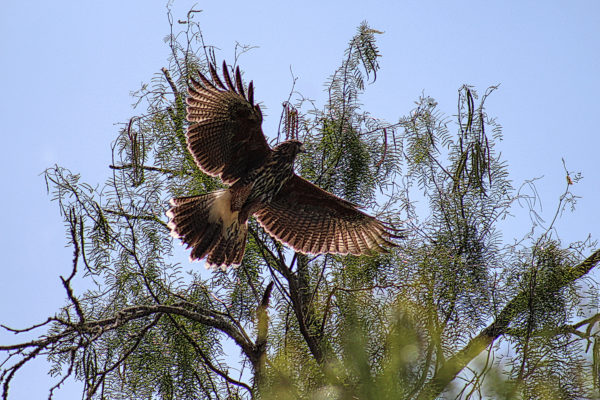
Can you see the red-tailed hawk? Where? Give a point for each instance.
(226, 140)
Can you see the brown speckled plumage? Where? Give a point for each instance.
(226, 140)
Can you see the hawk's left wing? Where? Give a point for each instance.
(225, 136)
(311, 220)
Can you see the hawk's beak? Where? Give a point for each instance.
(301, 149)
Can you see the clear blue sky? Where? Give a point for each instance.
(68, 67)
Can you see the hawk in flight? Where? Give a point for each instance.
(226, 140)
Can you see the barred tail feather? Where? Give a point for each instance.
(207, 225)
(230, 248)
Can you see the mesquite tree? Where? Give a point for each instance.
(453, 310)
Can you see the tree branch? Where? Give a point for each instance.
(172, 172)
(131, 216)
(306, 323)
(454, 365)
(205, 317)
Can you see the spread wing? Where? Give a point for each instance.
(225, 136)
(311, 220)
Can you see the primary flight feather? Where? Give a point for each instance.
(226, 140)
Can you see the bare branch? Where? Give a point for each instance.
(171, 172)
(153, 218)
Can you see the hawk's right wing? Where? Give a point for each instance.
(311, 220)
(225, 137)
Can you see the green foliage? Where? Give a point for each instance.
(452, 312)
(349, 150)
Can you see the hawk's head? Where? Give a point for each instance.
(289, 149)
